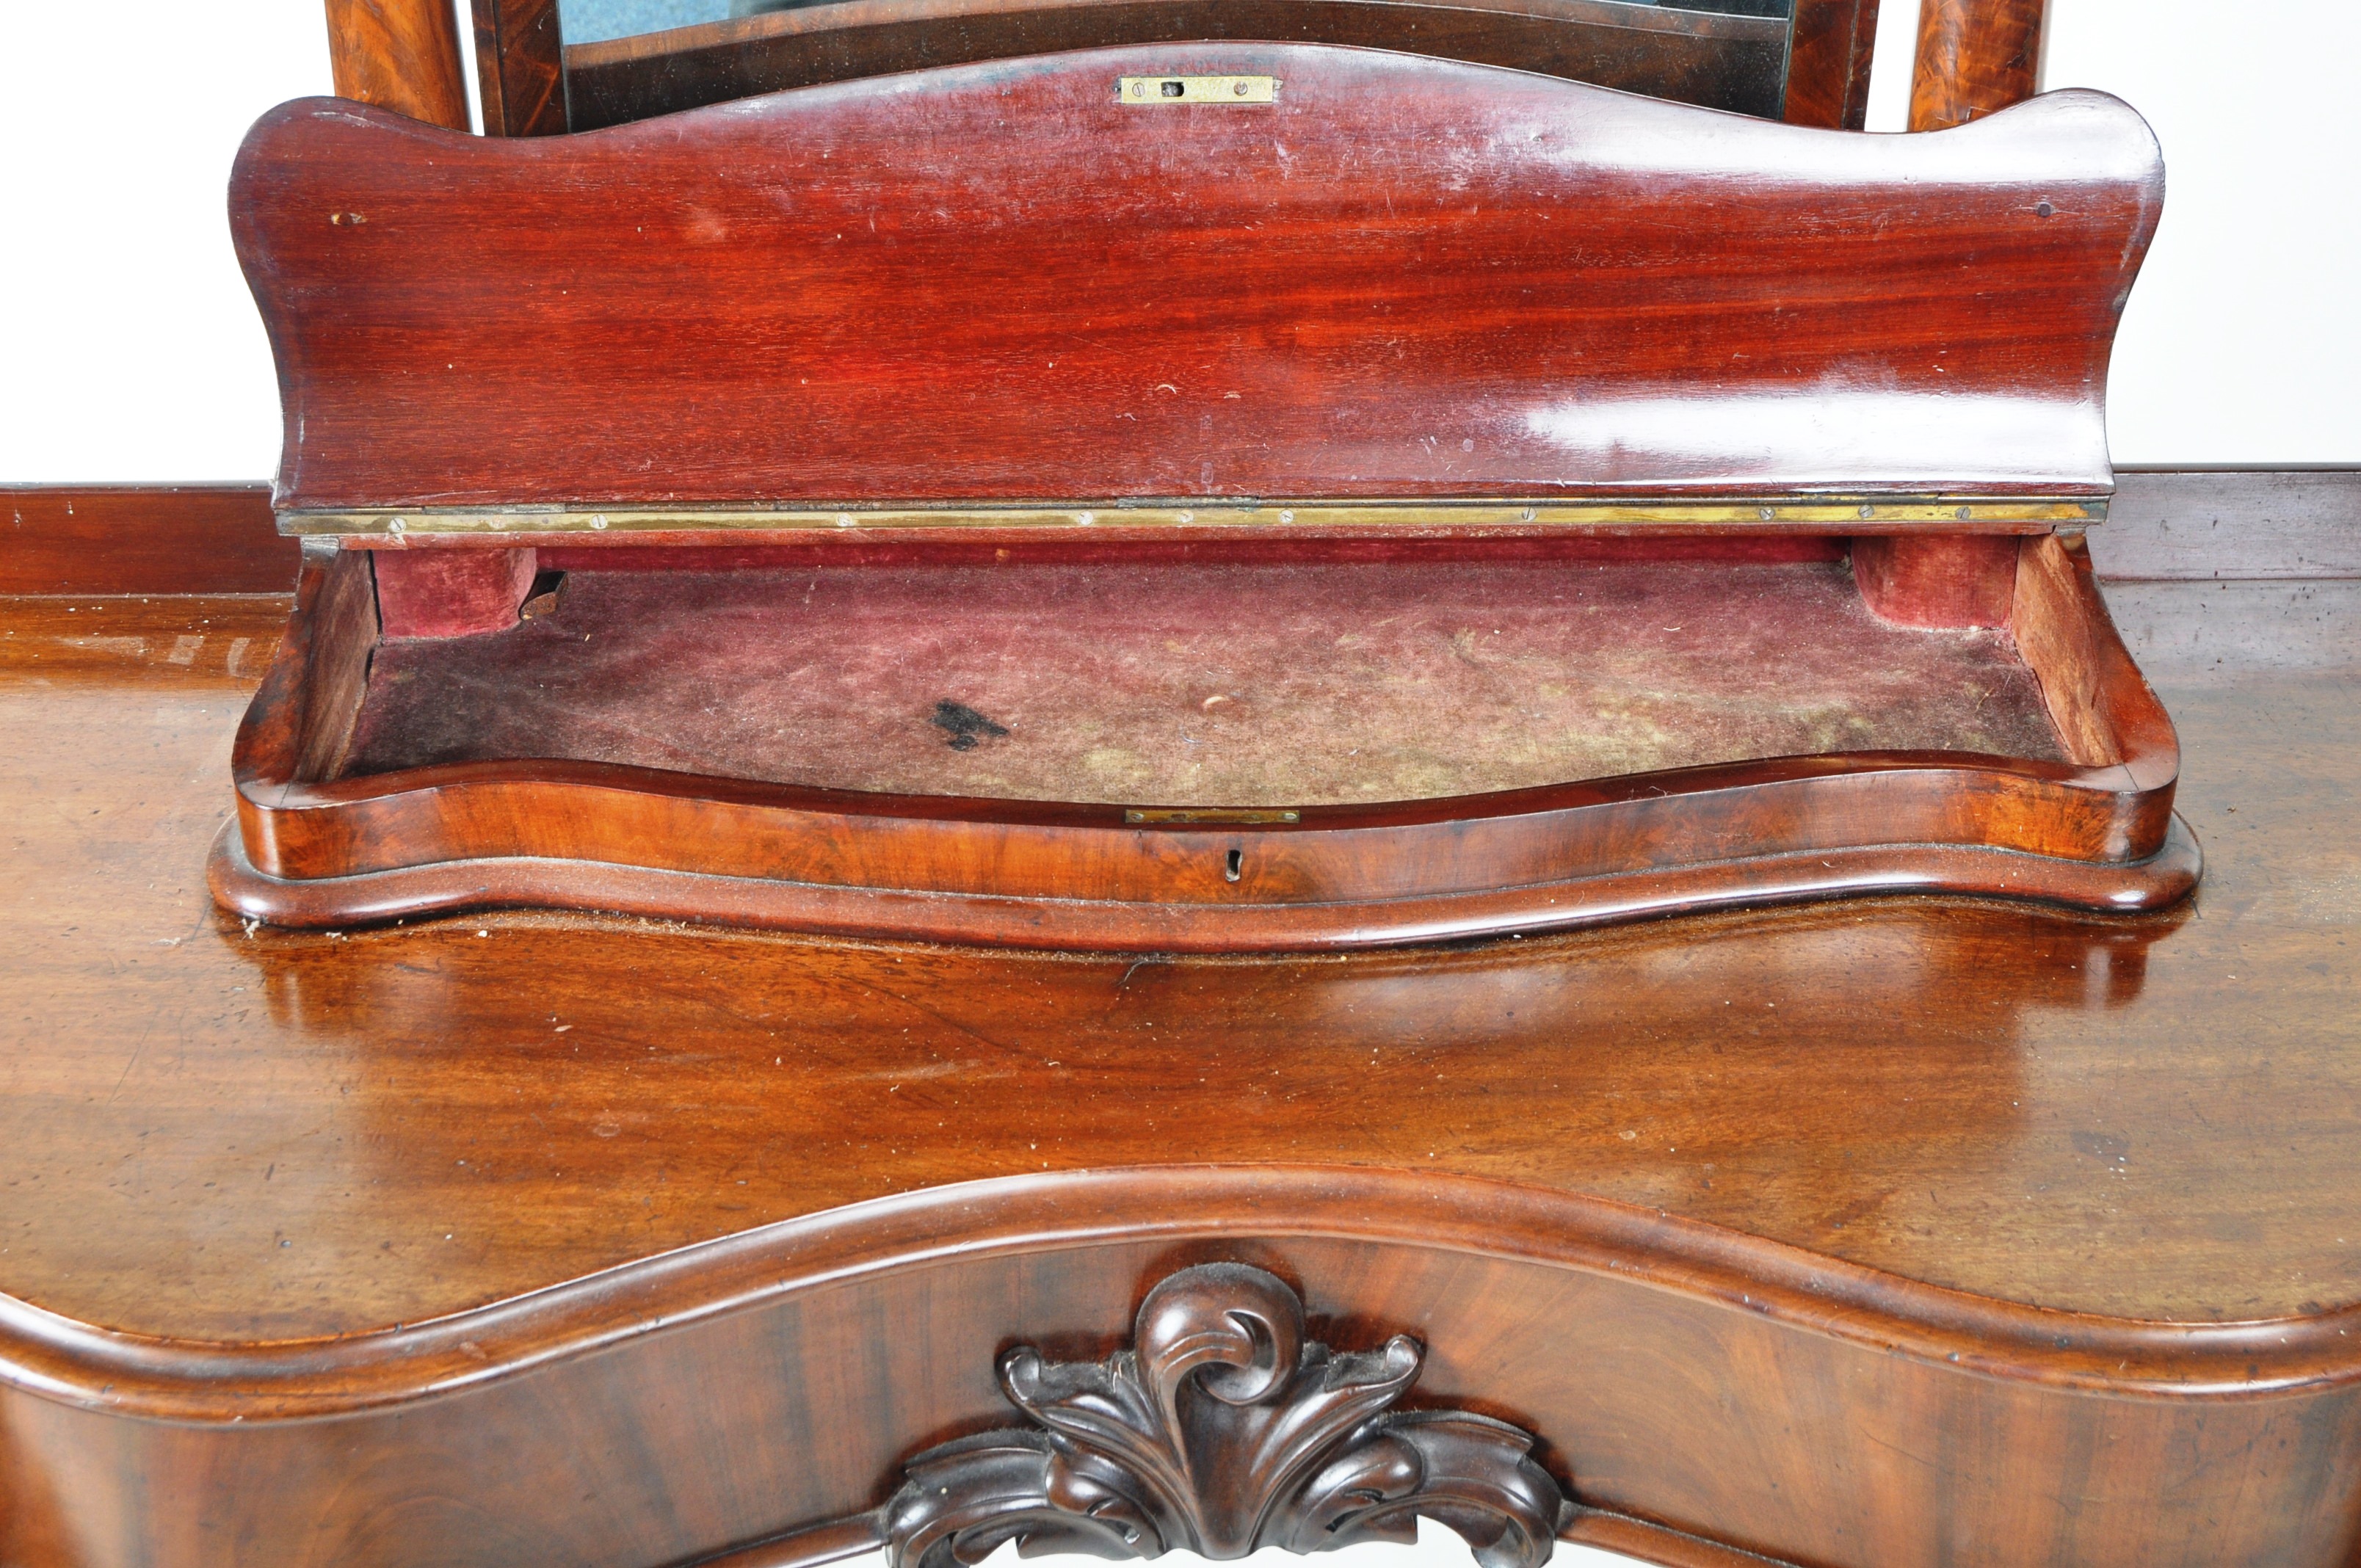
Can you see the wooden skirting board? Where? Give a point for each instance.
(142, 539)
(2210, 524)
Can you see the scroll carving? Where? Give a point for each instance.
(1222, 1429)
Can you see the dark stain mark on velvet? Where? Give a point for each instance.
(967, 728)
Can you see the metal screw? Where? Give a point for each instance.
(1286, 517)
(396, 526)
(1868, 511)
(844, 520)
(1086, 519)
(1528, 514)
(1188, 517)
(599, 520)
(1240, 89)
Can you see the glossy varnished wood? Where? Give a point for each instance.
(1405, 278)
(1012, 284)
(315, 845)
(1829, 57)
(1839, 1233)
(1975, 57)
(402, 55)
(1223, 1429)
(519, 64)
(117, 539)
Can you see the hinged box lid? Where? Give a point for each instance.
(1370, 291)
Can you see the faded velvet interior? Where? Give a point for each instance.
(1233, 683)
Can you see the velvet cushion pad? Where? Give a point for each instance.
(1200, 683)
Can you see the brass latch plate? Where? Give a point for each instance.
(1146, 90)
(1209, 817)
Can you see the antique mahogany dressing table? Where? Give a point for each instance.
(1902, 1230)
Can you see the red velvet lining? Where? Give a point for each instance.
(1193, 684)
(449, 593)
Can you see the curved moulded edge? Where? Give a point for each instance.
(59, 1358)
(451, 887)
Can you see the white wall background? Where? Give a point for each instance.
(129, 351)
(128, 347)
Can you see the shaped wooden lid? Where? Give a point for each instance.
(1257, 282)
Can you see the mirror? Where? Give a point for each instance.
(1806, 61)
(600, 21)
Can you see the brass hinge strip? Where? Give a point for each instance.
(1832, 514)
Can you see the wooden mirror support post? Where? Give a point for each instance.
(1975, 57)
(401, 55)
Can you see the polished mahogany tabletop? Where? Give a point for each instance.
(239, 1134)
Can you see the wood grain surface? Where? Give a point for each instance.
(1727, 1185)
(1282, 1442)
(730, 1394)
(519, 64)
(1374, 287)
(1523, 1061)
(402, 55)
(319, 843)
(2183, 524)
(1975, 57)
(142, 539)
(1830, 51)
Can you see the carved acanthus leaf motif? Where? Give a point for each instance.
(1222, 1429)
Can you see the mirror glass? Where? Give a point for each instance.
(597, 21)
(629, 60)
